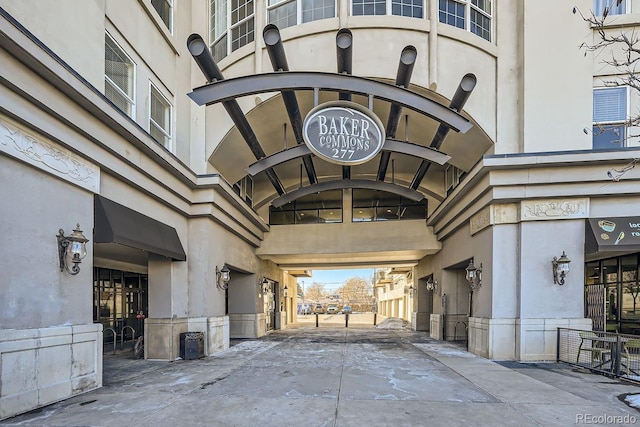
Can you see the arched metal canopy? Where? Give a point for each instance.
(226, 91)
(230, 89)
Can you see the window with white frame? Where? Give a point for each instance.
(614, 7)
(244, 189)
(286, 13)
(472, 15)
(165, 10)
(410, 8)
(231, 26)
(159, 118)
(452, 177)
(119, 77)
(609, 117)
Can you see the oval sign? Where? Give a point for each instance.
(343, 132)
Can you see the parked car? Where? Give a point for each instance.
(332, 309)
(346, 309)
(305, 309)
(318, 309)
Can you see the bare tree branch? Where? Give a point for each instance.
(623, 45)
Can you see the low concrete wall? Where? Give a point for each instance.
(162, 337)
(251, 325)
(435, 330)
(45, 365)
(536, 339)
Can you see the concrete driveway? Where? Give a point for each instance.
(337, 376)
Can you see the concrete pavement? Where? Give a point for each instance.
(336, 376)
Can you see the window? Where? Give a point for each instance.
(452, 177)
(609, 117)
(160, 118)
(471, 15)
(323, 207)
(612, 5)
(244, 189)
(410, 8)
(119, 77)
(286, 13)
(231, 26)
(373, 205)
(165, 10)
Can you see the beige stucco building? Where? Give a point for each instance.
(488, 155)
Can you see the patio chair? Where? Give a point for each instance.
(588, 343)
(631, 353)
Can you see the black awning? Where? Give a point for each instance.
(612, 234)
(115, 223)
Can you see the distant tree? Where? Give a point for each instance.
(315, 291)
(299, 290)
(355, 289)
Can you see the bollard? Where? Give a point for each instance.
(316, 320)
(346, 320)
(374, 318)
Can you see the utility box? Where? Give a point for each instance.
(191, 345)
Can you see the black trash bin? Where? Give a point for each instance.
(191, 345)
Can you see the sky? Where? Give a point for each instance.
(333, 279)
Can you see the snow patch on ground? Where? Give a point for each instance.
(633, 400)
(394, 323)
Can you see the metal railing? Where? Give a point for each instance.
(122, 336)
(607, 353)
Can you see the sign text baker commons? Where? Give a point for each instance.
(343, 132)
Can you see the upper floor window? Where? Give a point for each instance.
(609, 117)
(471, 15)
(244, 189)
(374, 205)
(410, 8)
(322, 207)
(285, 13)
(231, 26)
(614, 7)
(119, 77)
(165, 10)
(452, 177)
(160, 118)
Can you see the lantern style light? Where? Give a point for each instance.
(474, 275)
(560, 267)
(223, 275)
(71, 250)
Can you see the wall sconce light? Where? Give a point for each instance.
(560, 268)
(223, 275)
(71, 249)
(264, 286)
(474, 275)
(432, 284)
(285, 291)
(412, 291)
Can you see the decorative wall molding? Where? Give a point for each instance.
(481, 220)
(48, 156)
(492, 215)
(552, 209)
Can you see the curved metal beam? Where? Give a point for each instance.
(347, 183)
(415, 150)
(391, 145)
(278, 158)
(230, 89)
